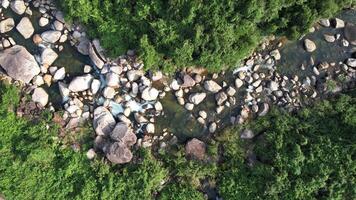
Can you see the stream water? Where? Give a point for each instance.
(177, 119)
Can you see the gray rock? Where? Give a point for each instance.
(197, 98)
(63, 90)
(350, 33)
(122, 133)
(118, 153)
(83, 46)
(309, 45)
(80, 83)
(275, 54)
(195, 148)
(51, 36)
(212, 127)
(220, 98)
(212, 86)
(247, 134)
(18, 6)
(351, 62)
(19, 64)
(40, 96)
(188, 81)
(48, 56)
(103, 122)
(7, 25)
(97, 60)
(25, 27)
(149, 94)
(264, 110)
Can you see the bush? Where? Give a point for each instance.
(214, 34)
(309, 155)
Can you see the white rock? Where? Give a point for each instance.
(5, 3)
(58, 25)
(112, 80)
(134, 75)
(95, 86)
(18, 6)
(60, 74)
(203, 114)
(238, 83)
(197, 98)
(43, 21)
(63, 38)
(212, 127)
(87, 68)
(48, 56)
(109, 92)
(7, 25)
(212, 86)
(51, 36)
(81, 83)
(91, 154)
(158, 106)
(150, 128)
(339, 23)
(149, 94)
(309, 45)
(38, 80)
(174, 85)
(25, 27)
(275, 53)
(189, 106)
(40, 96)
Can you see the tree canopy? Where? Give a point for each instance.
(214, 34)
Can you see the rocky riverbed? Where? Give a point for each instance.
(130, 106)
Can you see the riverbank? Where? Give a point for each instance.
(129, 106)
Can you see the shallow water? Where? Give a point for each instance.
(184, 126)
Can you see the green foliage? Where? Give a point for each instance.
(309, 155)
(214, 34)
(177, 191)
(34, 164)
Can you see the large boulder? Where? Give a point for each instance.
(48, 56)
(350, 33)
(95, 57)
(40, 96)
(19, 64)
(122, 133)
(25, 27)
(7, 25)
(195, 148)
(103, 121)
(51, 36)
(212, 86)
(18, 6)
(309, 45)
(197, 98)
(118, 153)
(81, 83)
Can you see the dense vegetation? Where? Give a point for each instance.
(309, 155)
(214, 34)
